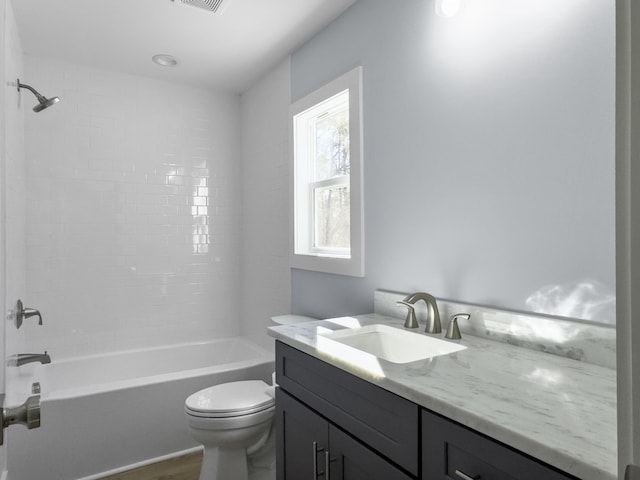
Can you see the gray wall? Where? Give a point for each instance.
(489, 154)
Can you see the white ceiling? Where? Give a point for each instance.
(222, 51)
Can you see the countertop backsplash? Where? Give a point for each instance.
(579, 340)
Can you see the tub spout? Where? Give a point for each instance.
(24, 358)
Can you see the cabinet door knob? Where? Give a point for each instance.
(464, 476)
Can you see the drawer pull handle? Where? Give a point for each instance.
(327, 470)
(316, 450)
(464, 476)
(327, 466)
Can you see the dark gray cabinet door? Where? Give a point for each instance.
(307, 443)
(302, 440)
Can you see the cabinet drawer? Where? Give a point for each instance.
(452, 451)
(386, 422)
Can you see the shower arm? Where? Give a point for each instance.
(40, 97)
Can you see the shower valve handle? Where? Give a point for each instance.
(23, 313)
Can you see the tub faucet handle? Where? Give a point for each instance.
(22, 313)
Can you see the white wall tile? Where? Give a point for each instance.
(121, 215)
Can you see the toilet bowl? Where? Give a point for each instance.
(229, 419)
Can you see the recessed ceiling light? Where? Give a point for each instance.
(165, 60)
(449, 8)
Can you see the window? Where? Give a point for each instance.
(327, 178)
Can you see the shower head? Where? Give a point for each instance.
(43, 102)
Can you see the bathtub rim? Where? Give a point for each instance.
(23, 381)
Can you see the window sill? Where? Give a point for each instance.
(353, 266)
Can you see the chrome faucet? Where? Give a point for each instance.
(433, 315)
(24, 358)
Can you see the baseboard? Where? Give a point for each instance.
(144, 463)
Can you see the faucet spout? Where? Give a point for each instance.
(433, 314)
(24, 358)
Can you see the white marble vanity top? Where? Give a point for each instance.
(556, 409)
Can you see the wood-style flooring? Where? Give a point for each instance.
(186, 467)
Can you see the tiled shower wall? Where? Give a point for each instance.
(133, 211)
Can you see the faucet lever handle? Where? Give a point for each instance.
(453, 330)
(32, 312)
(410, 321)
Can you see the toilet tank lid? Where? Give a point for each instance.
(231, 397)
(290, 318)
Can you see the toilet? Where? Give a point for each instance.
(228, 420)
(233, 422)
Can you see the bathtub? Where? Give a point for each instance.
(104, 414)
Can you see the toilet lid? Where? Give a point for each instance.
(231, 399)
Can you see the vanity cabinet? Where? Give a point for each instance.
(325, 415)
(310, 444)
(452, 451)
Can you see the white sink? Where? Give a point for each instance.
(393, 344)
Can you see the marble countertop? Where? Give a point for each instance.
(556, 409)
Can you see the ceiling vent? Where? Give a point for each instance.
(213, 6)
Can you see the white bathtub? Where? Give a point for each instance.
(104, 413)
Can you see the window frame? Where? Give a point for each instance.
(302, 253)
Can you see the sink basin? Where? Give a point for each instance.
(393, 344)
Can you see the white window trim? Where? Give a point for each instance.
(353, 266)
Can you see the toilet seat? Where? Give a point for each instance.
(230, 421)
(234, 399)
